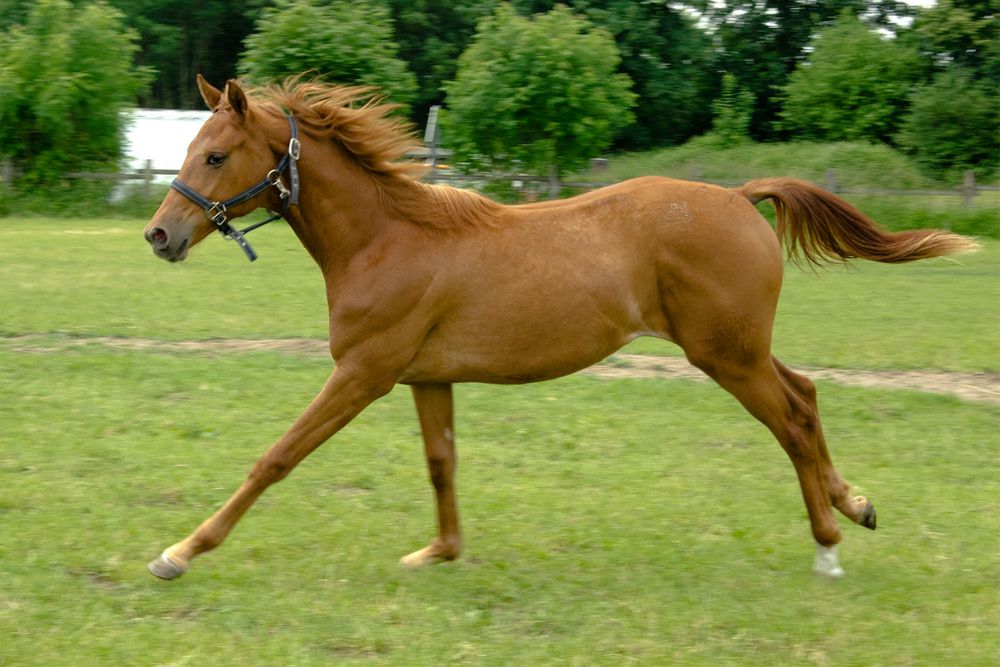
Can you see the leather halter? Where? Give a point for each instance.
(217, 211)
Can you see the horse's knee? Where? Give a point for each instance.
(270, 469)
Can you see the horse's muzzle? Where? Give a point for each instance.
(165, 247)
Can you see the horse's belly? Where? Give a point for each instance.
(527, 341)
(501, 366)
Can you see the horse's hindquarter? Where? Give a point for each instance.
(556, 287)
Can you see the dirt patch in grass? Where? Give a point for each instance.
(977, 387)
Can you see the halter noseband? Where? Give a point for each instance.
(216, 211)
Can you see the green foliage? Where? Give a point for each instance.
(13, 12)
(953, 125)
(539, 94)
(66, 75)
(762, 41)
(854, 86)
(671, 64)
(431, 35)
(342, 42)
(858, 164)
(731, 113)
(182, 38)
(961, 33)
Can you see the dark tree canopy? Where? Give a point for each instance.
(762, 41)
(182, 38)
(675, 54)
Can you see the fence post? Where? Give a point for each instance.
(553, 182)
(6, 178)
(968, 187)
(831, 180)
(147, 181)
(432, 136)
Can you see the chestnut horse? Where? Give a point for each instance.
(429, 285)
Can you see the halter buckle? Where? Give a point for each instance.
(294, 148)
(216, 213)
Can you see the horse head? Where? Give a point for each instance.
(230, 154)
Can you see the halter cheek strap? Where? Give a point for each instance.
(217, 211)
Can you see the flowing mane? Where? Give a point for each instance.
(359, 121)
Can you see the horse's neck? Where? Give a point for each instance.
(341, 211)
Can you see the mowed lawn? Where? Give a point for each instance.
(606, 521)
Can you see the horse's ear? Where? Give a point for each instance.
(209, 93)
(237, 99)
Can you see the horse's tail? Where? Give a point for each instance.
(826, 228)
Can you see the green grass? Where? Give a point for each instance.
(606, 522)
(101, 278)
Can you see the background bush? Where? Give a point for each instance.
(66, 74)
(341, 42)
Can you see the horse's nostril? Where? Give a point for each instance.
(158, 237)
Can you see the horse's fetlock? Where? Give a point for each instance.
(450, 547)
(827, 533)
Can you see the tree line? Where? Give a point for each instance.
(532, 83)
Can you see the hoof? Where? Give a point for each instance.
(165, 568)
(868, 516)
(826, 563)
(427, 556)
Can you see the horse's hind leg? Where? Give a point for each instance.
(856, 508)
(435, 410)
(755, 381)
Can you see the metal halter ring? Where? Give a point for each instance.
(274, 176)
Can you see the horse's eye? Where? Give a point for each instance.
(215, 159)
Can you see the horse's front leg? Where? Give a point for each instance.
(345, 395)
(436, 412)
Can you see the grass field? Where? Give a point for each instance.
(607, 522)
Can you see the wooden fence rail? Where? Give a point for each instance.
(967, 191)
(532, 186)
